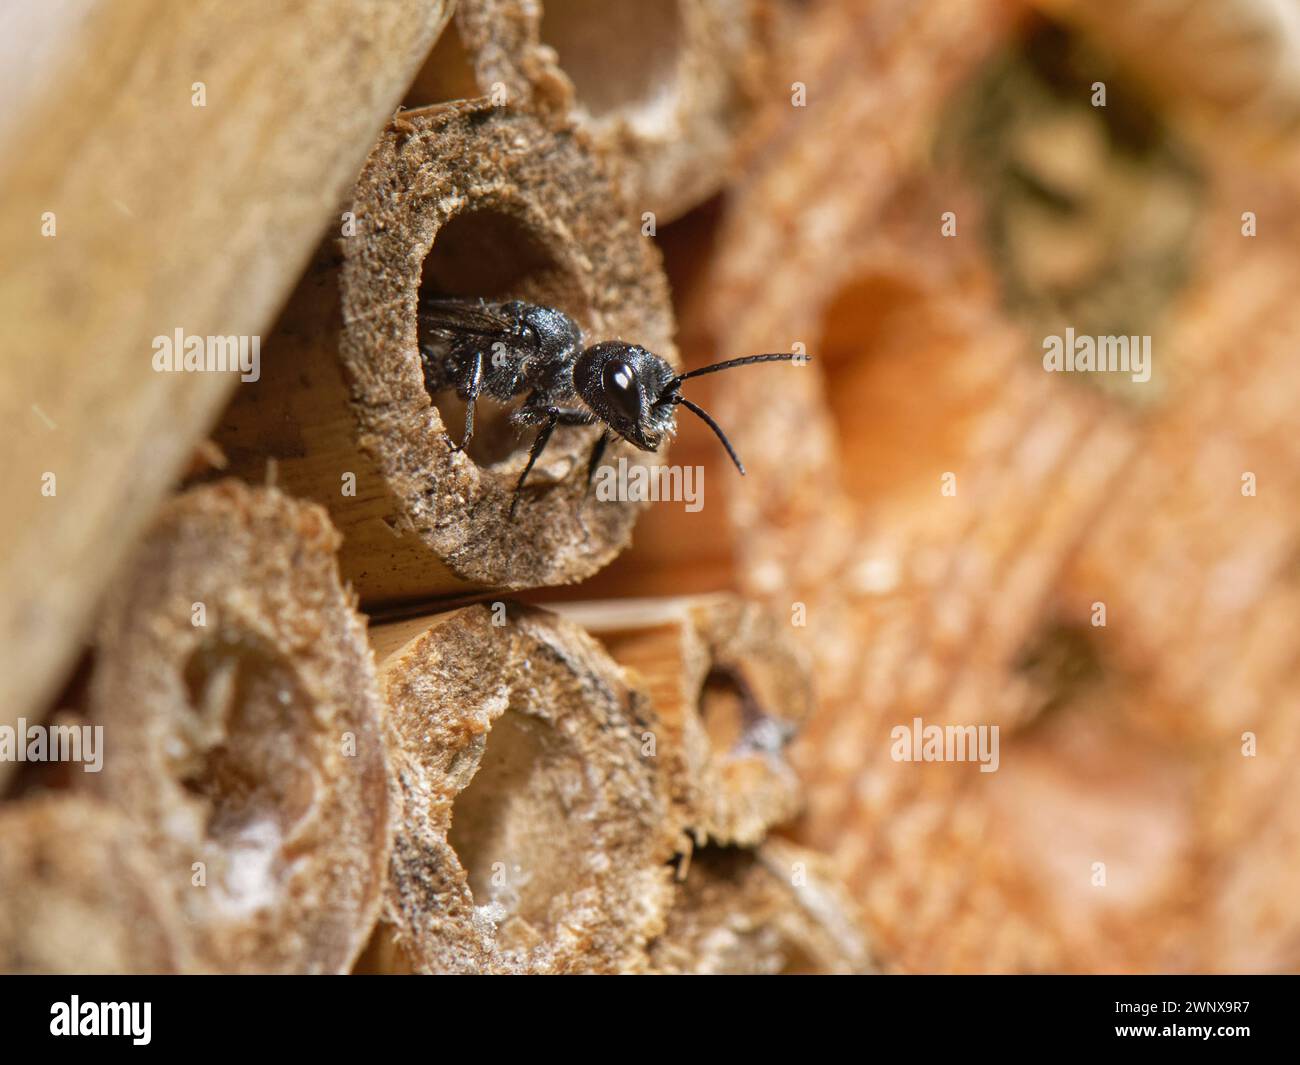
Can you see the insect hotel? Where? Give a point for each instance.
(381, 589)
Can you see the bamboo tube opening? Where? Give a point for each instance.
(879, 336)
(730, 691)
(473, 200)
(777, 910)
(623, 56)
(512, 832)
(489, 253)
(723, 711)
(736, 721)
(535, 832)
(498, 255)
(238, 690)
(1090, 212)
(255, 771)
(665, 87)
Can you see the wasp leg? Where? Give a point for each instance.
(553, 416)
(597, 451)
(539, 445)
(537, 412)
(471, 391)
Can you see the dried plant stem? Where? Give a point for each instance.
(535, 826)
(79, 893)
(779, 909)
(730, 689)
(238, 694)
(466, 200)
(664, 87)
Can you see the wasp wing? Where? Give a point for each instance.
(462, 317)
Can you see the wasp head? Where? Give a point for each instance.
(635, 392)
(624, 384)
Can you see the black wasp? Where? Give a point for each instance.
(504, 350)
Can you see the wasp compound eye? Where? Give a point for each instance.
(622, 391)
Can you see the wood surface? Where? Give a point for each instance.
(167, 216)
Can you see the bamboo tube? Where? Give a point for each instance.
(730, 690)
(666, 87)
(464, 200)
(79, 894)
(535, 829)
(109, 243)
(776, 910)
(238, 695)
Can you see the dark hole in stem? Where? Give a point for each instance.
(257, 779)
(734, 717)
(513, 828)
(1063, 662)
(491, 255)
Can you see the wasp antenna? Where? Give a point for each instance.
(707, 419)
(744, 360)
